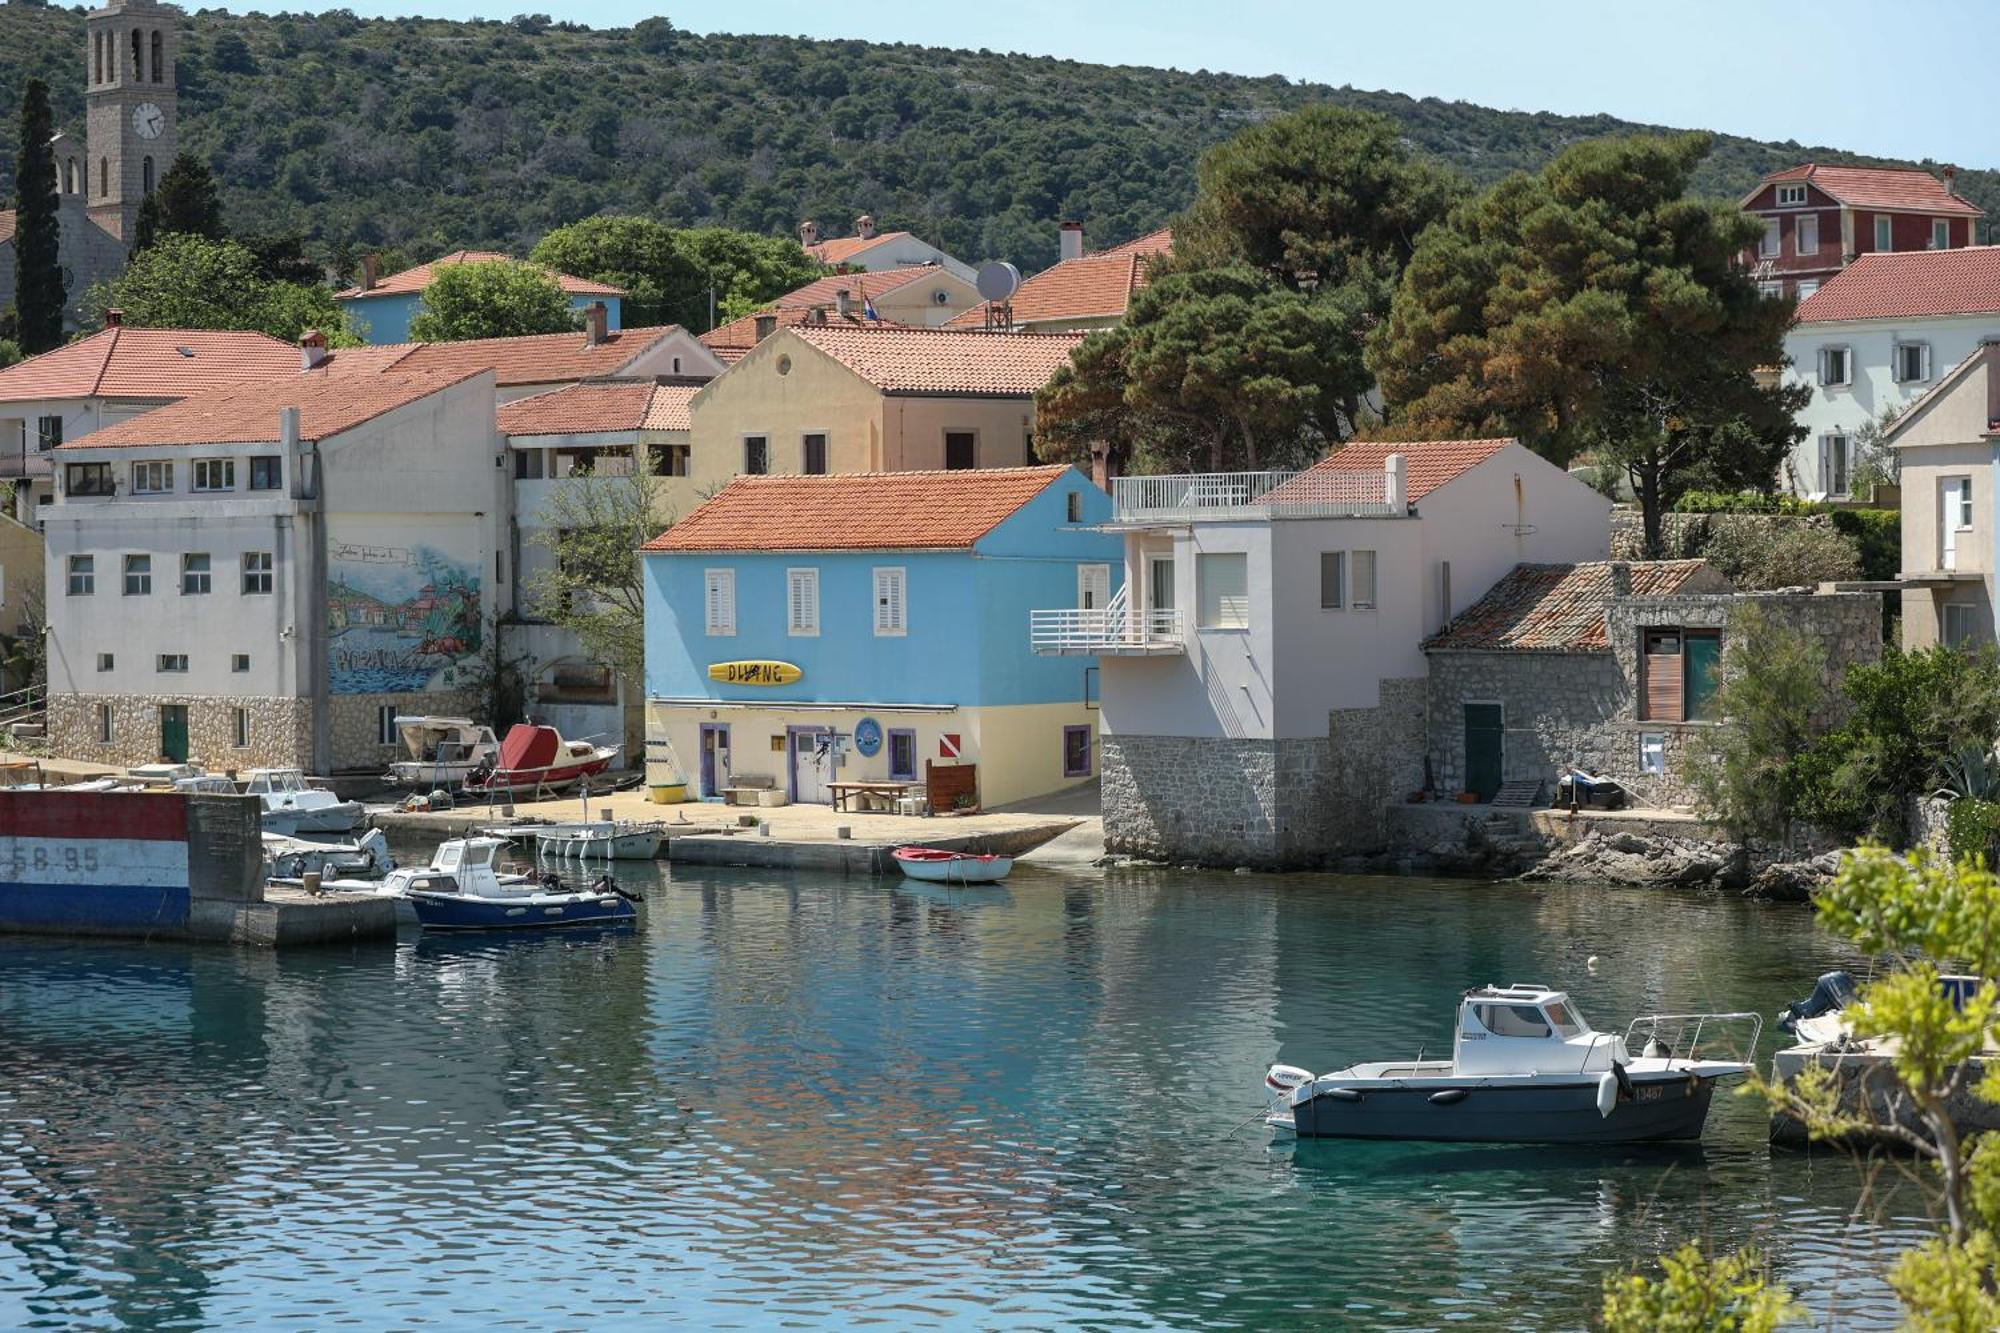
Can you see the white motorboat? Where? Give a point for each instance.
(444, 752)
(289, 858)
(461, 889)
(617, 840)
(1526, 1068)
(292, 804)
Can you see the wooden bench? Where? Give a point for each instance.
(873, 797)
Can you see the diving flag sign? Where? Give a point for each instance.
(948, 745)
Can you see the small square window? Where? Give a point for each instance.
(902, 754)
(256, 572)
(1074, 509)
(173, 662)
(1912, 362)
(1835, 365)
(48, 432)
(266, 473)
(194, 573)
(1791, 196)
(138, 575)
(82, 575)
(89, 479)
(104, 661)
(1653, 753)
(1884, 237)
(815, 455)
(961, 450)
(239, 662)
(1076, 752)
(802, 602)
(155, 478)
(1940, 234)
(756, 455)
(215, 474)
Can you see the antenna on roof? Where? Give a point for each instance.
(997, 282)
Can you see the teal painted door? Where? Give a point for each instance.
(174, 733)
(1704, 672)
(1483, 732)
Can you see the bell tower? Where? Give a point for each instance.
(132, 125)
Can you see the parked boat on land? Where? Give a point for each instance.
(1526, 1068)
(293, 804)
(535, 759)
(444, 752)
(936, 866)
(293, 858)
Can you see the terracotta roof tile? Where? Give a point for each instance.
(536, 358)
(1905, 189)
(841, 249)
(669, 408)
(579, 409)
(1152, 243)
(1095, 287)
(1432, 463)
(1907, 284)
(730, 341)
(127, 362)
(416, 279)
(945, 361)
(880, 511)
(1561, 608)
(8, 222)
(868, 286)
(248, 413)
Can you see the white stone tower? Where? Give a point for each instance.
(133, 125)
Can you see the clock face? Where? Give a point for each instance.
(148, 120)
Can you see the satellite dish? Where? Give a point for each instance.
(998, 280)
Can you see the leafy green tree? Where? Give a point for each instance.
(655, 36)
(1771, 692)
(184, 203)
(493, 299)
(638, 254)
(39, 287)
(190, 282)
(1699, 1294)
(1596, 306)
(744, 271)
(594, 585)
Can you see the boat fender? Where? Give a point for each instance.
(1282, 1079)
(1449, 1096)
(1625, 1089)
(1343, 1094)
(1607, 1094)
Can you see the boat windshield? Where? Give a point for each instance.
(1511, 1020)
(1568, 1022)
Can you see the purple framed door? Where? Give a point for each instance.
(714, 759)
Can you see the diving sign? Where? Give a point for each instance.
(755, 673)
(948, 745)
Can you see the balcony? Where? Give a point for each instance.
(1319, 493)
(16, 465)
(1113, 631)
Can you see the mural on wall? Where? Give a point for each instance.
(402, 618)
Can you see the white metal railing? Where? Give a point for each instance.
(1105, 630)
(1328, 492)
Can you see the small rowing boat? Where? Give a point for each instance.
(935, 866)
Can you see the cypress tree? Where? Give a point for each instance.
(185, 202)
(39, 290)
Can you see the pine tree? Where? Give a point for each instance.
(39, 289)
(185, 203)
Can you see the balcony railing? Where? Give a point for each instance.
(1252, 495)
(19, 466)
(1105, 632)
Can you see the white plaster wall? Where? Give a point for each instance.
(1848, 408)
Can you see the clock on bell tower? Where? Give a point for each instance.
(132, 123)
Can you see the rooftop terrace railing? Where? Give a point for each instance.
(1319, 493)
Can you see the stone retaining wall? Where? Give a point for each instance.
(280, 730)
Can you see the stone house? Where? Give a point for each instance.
(1262, 675)
(1610, 668)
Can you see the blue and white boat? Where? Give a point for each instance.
(463, 889)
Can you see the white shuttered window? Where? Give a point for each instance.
(1364, 581)
(891, 613)
(802, 601)
(1222, 590)
(719, 599)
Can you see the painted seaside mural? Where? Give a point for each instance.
(402, 618)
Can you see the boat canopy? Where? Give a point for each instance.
(528, 747)
(1527, 1029)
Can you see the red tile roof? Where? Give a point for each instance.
(1431, 463)
(878, 511)
(1907, 284)
(869, 286)
(1097, 286)
(601, 408)
(946, 362)
(1152, 243)
(730, 341)
(248, 413)
(416, 279)
(535, 358)
(7, 224)
(841, 249)
(669, 408)
(1902, 189)
(1561, 608)
(127, 362)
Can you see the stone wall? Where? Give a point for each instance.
(1298, 802)
(280, 730)
(355, 721)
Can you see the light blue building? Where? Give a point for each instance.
(380, 309)
(806, 631)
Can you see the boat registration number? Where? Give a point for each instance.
(1649, 1092)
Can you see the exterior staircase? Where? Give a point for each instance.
(1520, 795)
(24, 715)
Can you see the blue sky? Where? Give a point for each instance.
(1899, 79)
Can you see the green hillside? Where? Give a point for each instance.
(429, 135)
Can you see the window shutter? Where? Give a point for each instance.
(1331, 577)
(1364, 579)
(721, 595)
(889, 610)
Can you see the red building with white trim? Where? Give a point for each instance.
(1819, 219)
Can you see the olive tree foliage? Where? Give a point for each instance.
(495, 298)
(1699, 1293)
(594, 584)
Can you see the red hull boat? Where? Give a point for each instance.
(538, 759)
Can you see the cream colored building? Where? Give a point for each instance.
(1946, 444)
(831, 399)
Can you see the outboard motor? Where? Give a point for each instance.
(1835, 990)
(1284, 1080)
(376, 844)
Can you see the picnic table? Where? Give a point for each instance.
(873, 797)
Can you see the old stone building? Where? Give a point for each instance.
(1610, 668)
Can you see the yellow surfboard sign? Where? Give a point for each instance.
(755, 673)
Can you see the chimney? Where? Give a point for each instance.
(1072, 240)
(596, 324)
(1621, 578)
(1993, 388)
(864, 226)
(843, 301)
(1100, 465)
(288, 429)
(816, 316)
(113, 317)
(368, 273)
(766, 326)
(1950, 175)
(809, 233)
(1396, 483)
(312, 349)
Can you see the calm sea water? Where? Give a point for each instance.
(817, 1102)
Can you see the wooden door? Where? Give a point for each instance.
(1485, 735)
